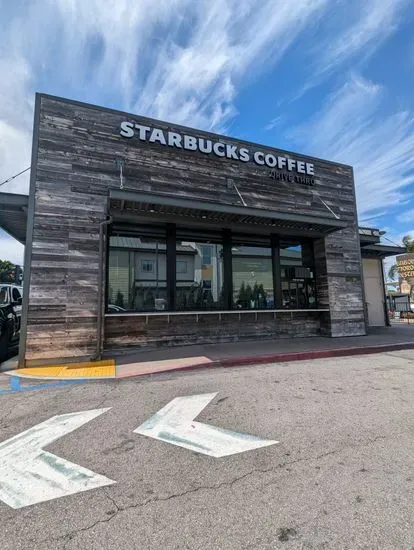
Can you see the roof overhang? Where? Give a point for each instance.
(369, 235)
(127, 207)
(13, 215)
(381, 251)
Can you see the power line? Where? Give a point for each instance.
(393, 242)
(15, 176)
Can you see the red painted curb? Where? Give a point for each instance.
(285, 357)
(314, 354)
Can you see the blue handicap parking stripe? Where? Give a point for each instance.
(16, 386)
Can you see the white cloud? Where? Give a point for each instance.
(349, 35)
(10, 249)
(409, 233)
(186, 61)
(87, 48)
(373, 21)
(16, 107)
(274, 123)
(178, 60)
(352, 129)
(197, 83)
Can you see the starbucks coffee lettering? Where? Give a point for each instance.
(218, 148)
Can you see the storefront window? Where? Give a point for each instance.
(297, 275)
(252, 277)
(137, 274)
(199, 276)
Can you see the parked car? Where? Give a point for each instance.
(10, 319)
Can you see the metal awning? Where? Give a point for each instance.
(13, 215)
(381, 251)
(127, 207)
(369, 235)
(371, 246)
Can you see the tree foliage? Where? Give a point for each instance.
(408, 242)
(392, 272)
(6, 269)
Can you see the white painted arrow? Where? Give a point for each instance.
(175, 424)
(29, 475)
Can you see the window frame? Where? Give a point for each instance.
(17, 291)
(149, 262)
(227, 240)
(185, 262)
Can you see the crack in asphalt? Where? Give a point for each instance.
(119, 509)
(106, 395)
(72, 534)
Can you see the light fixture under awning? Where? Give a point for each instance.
(125, 205)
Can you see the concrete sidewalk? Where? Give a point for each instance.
(139, 362)
(124, 364)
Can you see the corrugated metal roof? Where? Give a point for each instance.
(162, 208)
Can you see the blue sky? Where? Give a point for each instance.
(329, 78)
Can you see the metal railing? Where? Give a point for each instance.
(219, 313)
(401, 317)
(403, 321)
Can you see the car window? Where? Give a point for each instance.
(16, 294)
(3, 295)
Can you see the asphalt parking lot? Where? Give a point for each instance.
(341, 475)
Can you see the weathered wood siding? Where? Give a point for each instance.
(78, 146)
(159, 330)
(339, 283)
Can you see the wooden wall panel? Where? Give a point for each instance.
(132, 331)
(76, 167)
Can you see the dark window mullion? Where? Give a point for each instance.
(171, 266)
(227, 269)
(276, 269)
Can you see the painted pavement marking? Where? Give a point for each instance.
(16, 385)
(30, 475)
(96, 369)
(175, 424)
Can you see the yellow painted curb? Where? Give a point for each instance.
(95, 369)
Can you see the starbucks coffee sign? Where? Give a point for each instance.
(304, 170)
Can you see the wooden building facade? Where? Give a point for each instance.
(145, 233)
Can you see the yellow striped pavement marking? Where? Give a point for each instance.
(95, 369)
